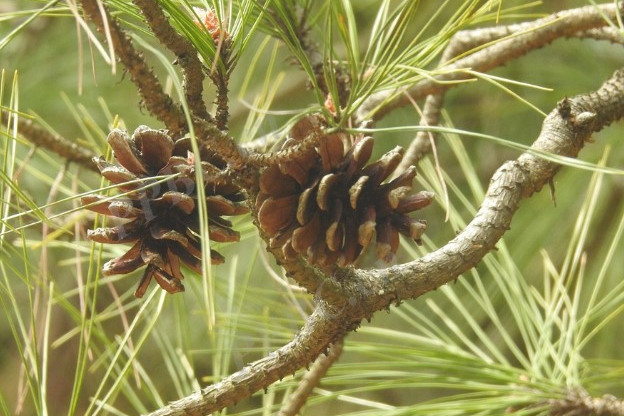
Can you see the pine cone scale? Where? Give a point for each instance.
(156, 146)
(277, 213)
(127, 263)
(125, 152)
(119, 234)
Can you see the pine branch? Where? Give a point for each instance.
(580, 403)
(297, 399)
(533, 35)
(184, 51)
(461, 43)
(155, 99)
(324, 326)
(63, 147)
(358, 294)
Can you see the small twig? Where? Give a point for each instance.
(459, 44)
(63, 147)
(297, 399)
(155, 99)
(271, 158)
(222, 114)
(323, 327)
(222, 145)
(580, 403)
(185, 52)
(533, 35)
(422, 143)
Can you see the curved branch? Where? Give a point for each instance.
(564, 132)
(362, 292)
(185, 52)
(156, 100)
(533, 35)
(323, 327)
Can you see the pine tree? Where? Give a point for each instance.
(295, 168)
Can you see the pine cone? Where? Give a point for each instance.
(164, 224)
(326, 205)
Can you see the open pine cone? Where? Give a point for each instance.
(163, 213)
(326, 205)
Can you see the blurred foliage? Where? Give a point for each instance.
(143, 353)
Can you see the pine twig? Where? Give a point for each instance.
(323, 327)
(533, 35)
(155, 99)
(580, 403)
(58, 144)
(297, 399)
(184, 51)
(223, 107)
(358, 294)
(459, 44)
(524, 37)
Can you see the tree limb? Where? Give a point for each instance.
(357, 294)
(324, 326)
(295, 401)
(156, 100)
(185, 52)
(63, 147)
(532, 36)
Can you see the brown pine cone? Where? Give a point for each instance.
(164, 224)
(326, 205)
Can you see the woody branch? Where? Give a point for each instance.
(155, 99)
(362, 293)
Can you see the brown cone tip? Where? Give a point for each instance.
(164, 219)
(328, 205)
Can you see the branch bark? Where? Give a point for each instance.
(185, 52)
(58, 144)
(156, 100)
(580, 403)
(357, 294)
(297, 399)
(523, 38)
(325, 325)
